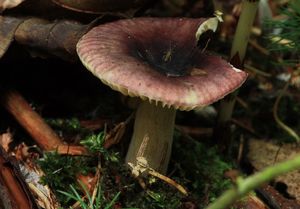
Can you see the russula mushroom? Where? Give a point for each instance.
(157, 60)
(100, 6)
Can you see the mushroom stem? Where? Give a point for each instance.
(153, 136)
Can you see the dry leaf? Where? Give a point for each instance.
(115, 135)
(44, 196)
(8, 26)
(89, 181)
(8, 4)
(21, 152)
(32, 175)
(5, 140)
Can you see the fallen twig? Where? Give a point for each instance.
(142, 168)
(39, 130)
(44, 136)
(168, 180)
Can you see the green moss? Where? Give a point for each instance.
(94, 143)
(61, 171)
(117, 178)
(71, 124)
(203, 168)
(197, 167)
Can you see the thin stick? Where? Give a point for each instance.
(72, 150)
(259, 48)
(169, 181)
(96, 187)
(142, 168)
(257, 71)
(241, 150)
(40, 131)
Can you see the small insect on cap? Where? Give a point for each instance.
(157, 59)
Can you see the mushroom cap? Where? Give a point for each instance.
(100, 6)
(157, 59)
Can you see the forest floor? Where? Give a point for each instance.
(97, 123)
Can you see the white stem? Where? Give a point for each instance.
(153, 136)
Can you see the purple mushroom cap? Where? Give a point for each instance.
(157, 59)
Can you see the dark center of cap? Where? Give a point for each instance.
(167, 57)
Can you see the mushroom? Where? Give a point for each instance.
(157, 60)
(100, 6)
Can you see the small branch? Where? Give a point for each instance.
(244, 126)
(168, 180)
(244, 186)
(257, 71)
(259, 48)
(142, 167)
(34, 124)
(39, 130)
(71, 150)
(241, 150)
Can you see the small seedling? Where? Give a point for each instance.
(62, 170)
(94, 143)
(89, 202)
